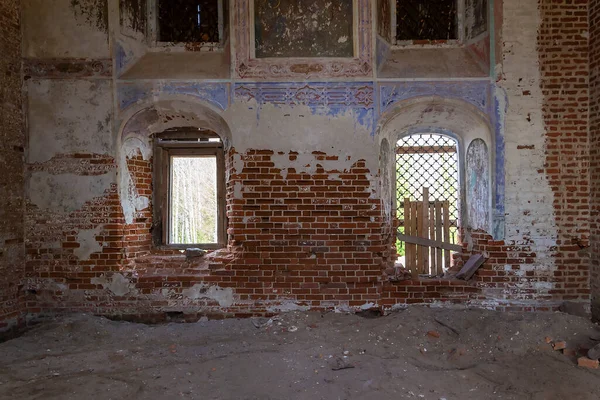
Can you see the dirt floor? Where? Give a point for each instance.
(419, 353)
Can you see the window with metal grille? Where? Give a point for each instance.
(428, 161)
(189, 21)
(426, 20)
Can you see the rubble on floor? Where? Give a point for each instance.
(418, 353)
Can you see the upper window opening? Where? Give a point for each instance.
(427, 201)
(189, 189)
(426, 20)
(189, 21)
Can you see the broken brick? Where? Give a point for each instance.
(559, 345)
(587, 363)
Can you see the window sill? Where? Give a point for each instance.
(431, 62)
(179, 65)
(170, 261)
(183, 247)
(427, 44)
(187, 47)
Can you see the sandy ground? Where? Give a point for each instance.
(478, 355)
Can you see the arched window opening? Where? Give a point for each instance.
(427, 202)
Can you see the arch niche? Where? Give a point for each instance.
(472, 131)
(143, 121)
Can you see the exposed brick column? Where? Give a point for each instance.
(563, 57)
(594, 21)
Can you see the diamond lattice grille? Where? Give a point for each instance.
(427, 161)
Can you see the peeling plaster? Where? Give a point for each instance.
(55, 192)
(88, 243)
(118, 284)
(524, 115)
(224, 296)
(238, 188)
(287, 306)
(304, 129)
(65, 28)
(66, 116)
(131, 201)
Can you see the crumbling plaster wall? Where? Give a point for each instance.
(530, 217)
(307, 218)
(65, 29)
(71, 169)
(12, 251)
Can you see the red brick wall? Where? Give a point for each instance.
(138, 238)
(563, 56)
(319, 239)
(11, 164)
(310, 237)
(56, 277)
(594, 24)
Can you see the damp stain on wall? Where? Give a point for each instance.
(303, 28)
(133, 14)
(93, 12)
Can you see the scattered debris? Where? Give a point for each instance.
(470, 267)
(347, 351)
(433, 334)
(559, 345)
(192, 253)
(587, 363)
(340, 364)
(398, 274)
(261, 322)
(548, 339)
(445, 325)
(594, 352)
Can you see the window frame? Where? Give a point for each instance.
(460, 27)
(154, 30)
(184, 143)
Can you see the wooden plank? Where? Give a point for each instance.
(432, 261)
(446, 211)
(425, 230)
(221, 196)
(470, 267)
(419, 226)
(438, 236)
(428, 242)
(413, 228)
(425, 149)
(407, 232)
